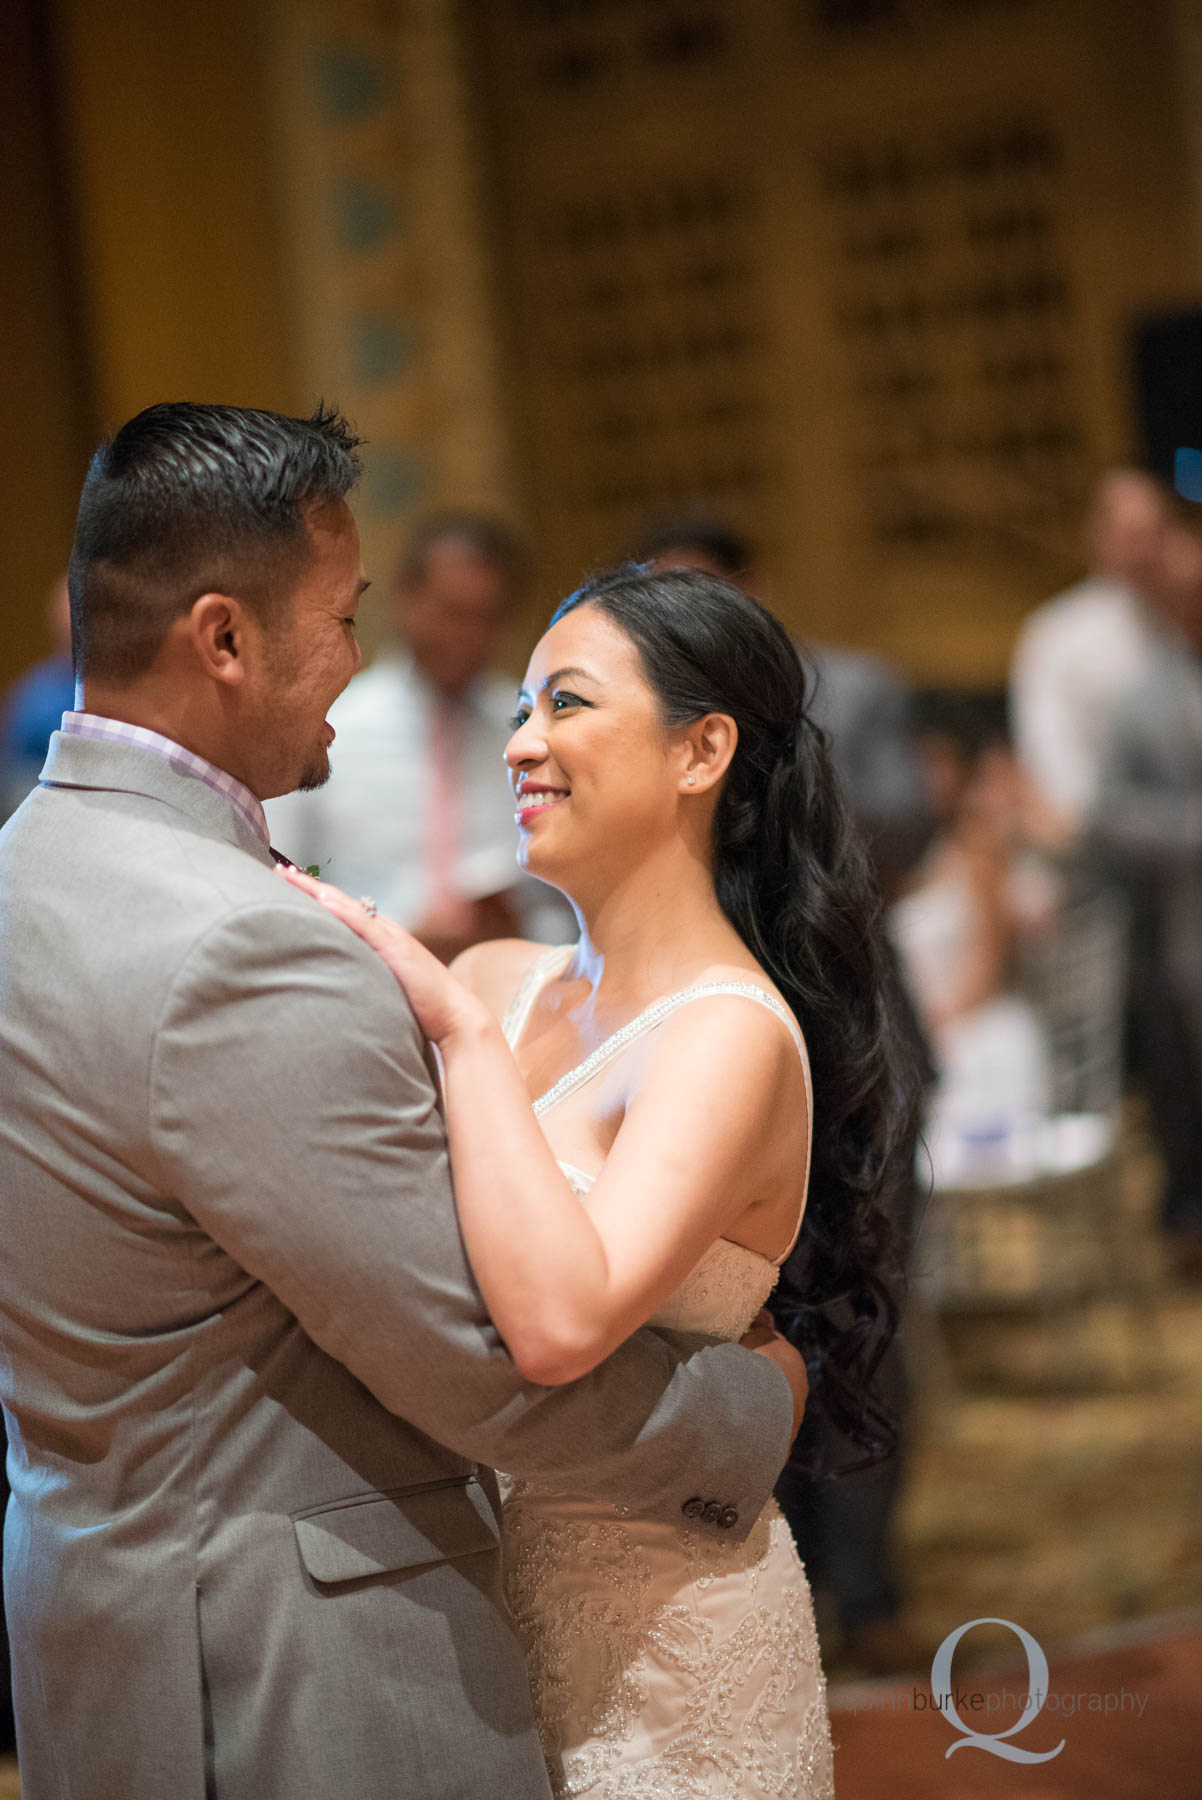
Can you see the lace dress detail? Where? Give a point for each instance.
(667, 1663)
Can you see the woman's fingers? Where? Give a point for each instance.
(379, 933)
(436, 997)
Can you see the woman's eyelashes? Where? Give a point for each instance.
(559, 700)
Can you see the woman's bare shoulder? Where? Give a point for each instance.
(741, 974)
(736, 1031)
(494, 971)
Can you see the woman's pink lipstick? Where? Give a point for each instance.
(534, 800)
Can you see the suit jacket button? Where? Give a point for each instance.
(727, 1517)
(711, 1513)
(693, 1509)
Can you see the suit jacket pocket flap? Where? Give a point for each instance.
(378, 1532)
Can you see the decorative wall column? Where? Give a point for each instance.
(387, 252)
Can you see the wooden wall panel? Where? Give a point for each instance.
(141, 252)
(44, 424)
(172, 194)
(859, 274)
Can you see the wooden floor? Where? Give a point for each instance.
(888, 1749)
(1076, 1514)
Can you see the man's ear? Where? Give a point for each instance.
(219, 628)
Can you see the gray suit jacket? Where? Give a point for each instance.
(249, 1382)
(866, 709)
(1147, 820)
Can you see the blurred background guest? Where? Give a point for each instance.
(34, 706)
(957, 926)
(1079, 664)
(1146, 824)
(845, 1527)
(1076, 653)
(418, 813)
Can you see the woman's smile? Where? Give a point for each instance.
(533, 798)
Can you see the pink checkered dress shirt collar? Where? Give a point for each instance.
(117, 731)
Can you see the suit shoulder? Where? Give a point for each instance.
(852, 670)
(1161, 690)
(279, 954)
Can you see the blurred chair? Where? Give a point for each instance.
(1035, 1223)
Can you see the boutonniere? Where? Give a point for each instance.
(286, 862)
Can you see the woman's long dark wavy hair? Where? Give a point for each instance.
(793, 877)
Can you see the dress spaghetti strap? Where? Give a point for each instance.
(542, 970)
(654, 1015)
(546, 967)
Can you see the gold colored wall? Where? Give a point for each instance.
(141, 256)
(42, 392)
(859, 276)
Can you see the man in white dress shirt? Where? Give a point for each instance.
(1147, 828)
(418, 813)
(1077, 652)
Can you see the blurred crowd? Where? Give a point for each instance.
(1039, 852)
(1017, 836)
(1070, 827)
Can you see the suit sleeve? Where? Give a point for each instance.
(1144, 821)
(877, 762)
(294, 1115)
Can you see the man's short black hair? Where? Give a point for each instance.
(485, 537)
(727, 549)
(187, 500)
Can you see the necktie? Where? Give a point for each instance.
(444, 821)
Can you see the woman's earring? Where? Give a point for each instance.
(690, 780)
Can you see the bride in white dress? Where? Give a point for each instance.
(669, 782)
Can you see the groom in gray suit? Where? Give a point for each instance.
(252, 1395)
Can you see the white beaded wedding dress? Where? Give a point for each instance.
(667, 1663)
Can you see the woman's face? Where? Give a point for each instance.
(593, 771)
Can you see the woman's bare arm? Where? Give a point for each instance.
(566, 1283)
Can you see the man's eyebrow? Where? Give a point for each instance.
(558, 675)
(362, 587)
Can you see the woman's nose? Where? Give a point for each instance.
(527, 745)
